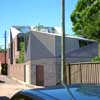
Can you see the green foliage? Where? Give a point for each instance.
(21, 55)
(2, 50)
(86, 19)
(96, 59)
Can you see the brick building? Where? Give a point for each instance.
(15, 69)
(2, 59)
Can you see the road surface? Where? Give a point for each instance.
(9, 87)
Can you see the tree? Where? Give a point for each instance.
(86, 20)
(21, 55)
(2, 50)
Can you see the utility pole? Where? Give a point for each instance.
(63, 59)
(5, 47)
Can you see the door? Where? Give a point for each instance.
(27, 74)
(39, 75)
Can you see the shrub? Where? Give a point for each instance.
(96, 59)
(21, 54)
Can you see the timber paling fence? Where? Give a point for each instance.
(84, 73)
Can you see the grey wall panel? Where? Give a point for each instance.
(71, 44)
(27, 48)
(42, 46)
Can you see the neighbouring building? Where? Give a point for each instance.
(2, 59)
(42, 63)
(15, 67)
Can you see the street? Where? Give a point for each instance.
(9, 87)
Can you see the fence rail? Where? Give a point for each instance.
(83, 73)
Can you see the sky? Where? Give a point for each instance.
(34, 12)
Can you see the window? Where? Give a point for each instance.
(82, 43)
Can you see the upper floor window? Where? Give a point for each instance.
(83, 43)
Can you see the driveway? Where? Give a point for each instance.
(9, 87)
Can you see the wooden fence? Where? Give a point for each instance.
(83, 73)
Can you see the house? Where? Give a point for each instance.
(42, 59)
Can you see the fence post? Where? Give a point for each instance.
(80, 73)
(69, 74)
